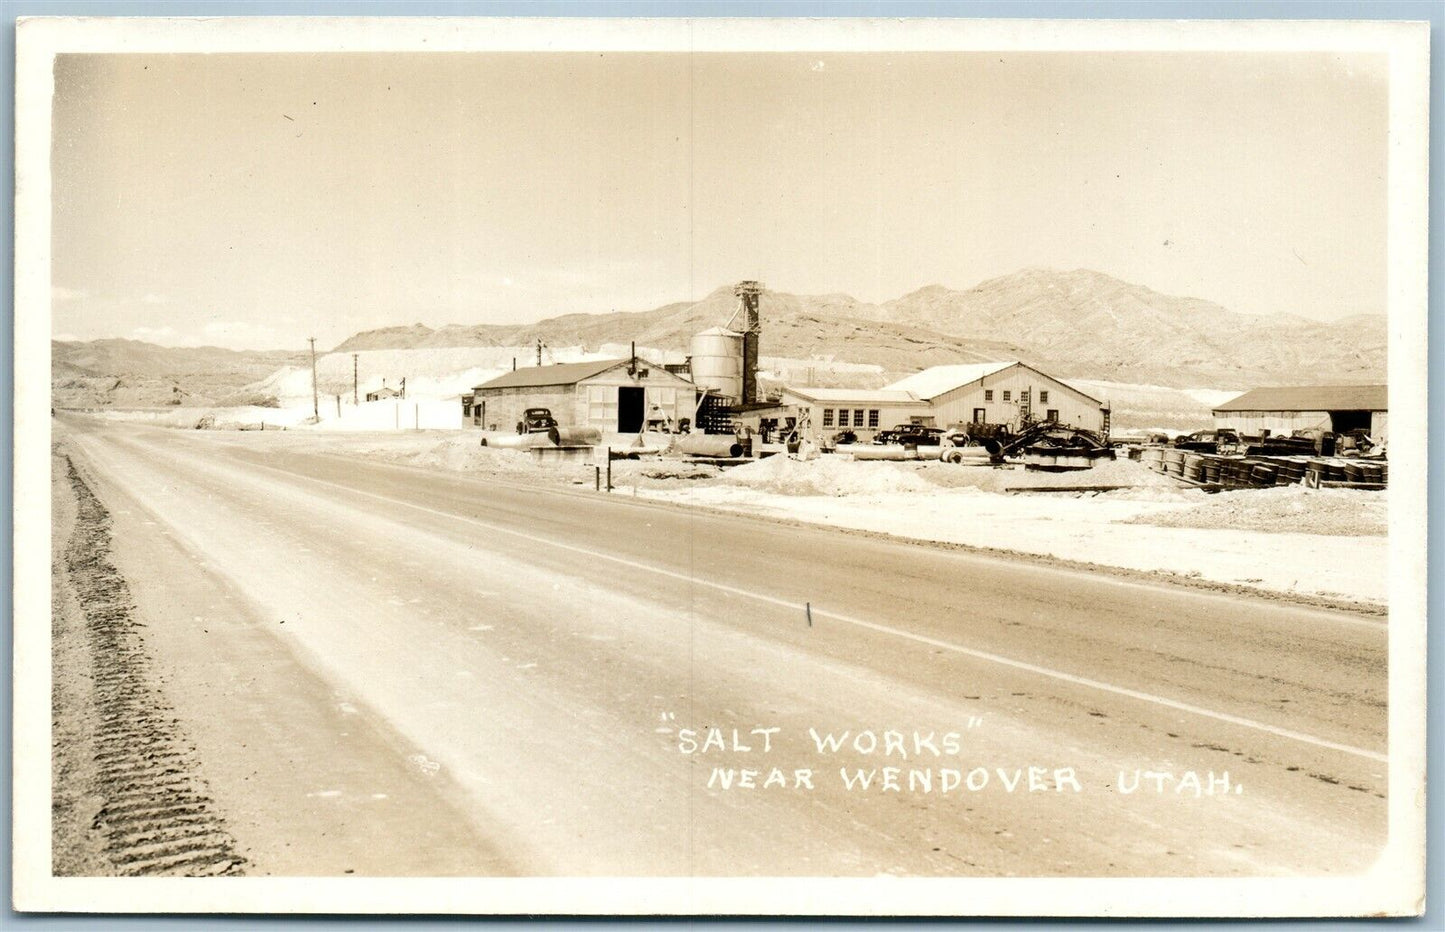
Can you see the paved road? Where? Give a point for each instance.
(537, 673)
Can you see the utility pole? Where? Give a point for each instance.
(354, 398)
(315, 399)
(539, 351)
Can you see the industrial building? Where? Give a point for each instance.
(1283, 410)
(827, 412)
(612, 395)
(1001, 393)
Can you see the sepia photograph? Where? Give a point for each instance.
(720, 467)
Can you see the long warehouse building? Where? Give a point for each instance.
(1282, 410)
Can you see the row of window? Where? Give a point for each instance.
(1008, 396)
(850, 417)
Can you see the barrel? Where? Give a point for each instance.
(1192, 462)
(1263, 474)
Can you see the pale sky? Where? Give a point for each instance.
(251, 201)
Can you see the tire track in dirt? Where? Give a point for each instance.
(157, 816)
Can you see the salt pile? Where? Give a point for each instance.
(1284, 510)
(826, 475)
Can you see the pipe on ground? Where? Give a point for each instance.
(574, 436)
(892, 452)
(708, 445)
(516, 441)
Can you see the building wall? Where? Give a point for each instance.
(1380, 426)
(1075, 408)
(1253, 423)
(501, 408)
(816, 413)
(666, 396)
(1286, 422)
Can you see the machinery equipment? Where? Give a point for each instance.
(1042, 445)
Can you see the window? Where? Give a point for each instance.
(1043, 397)
(1007, 395)
(858, 417)
(842, 417)
(988, 394)
(827, 417)
(872, 417)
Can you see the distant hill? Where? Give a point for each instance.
(129, 373)
(1091, 325)
(1079, 324)
(793, 325)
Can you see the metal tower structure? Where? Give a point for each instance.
(749, 292)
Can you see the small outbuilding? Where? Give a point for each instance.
(1285, 409)
(383, 394)
(613, 395)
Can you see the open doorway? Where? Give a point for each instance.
(630, 409)
(1343, 422)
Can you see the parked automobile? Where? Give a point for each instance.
(536, 421)
(1221, 440)
(916, 435)
(844, 437)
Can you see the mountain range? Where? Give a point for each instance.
(1078, 324)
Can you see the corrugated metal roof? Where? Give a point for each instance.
(860, 395)
(567, 373)
(930, 383)
(1311, 398)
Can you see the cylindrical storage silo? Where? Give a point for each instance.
(717, 362)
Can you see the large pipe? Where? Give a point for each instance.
(574, 436)
(516, 441)
(893, 452)
(708, 445)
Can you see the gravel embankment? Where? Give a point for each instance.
(127, 796)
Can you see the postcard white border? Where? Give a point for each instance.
(1394, 886)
